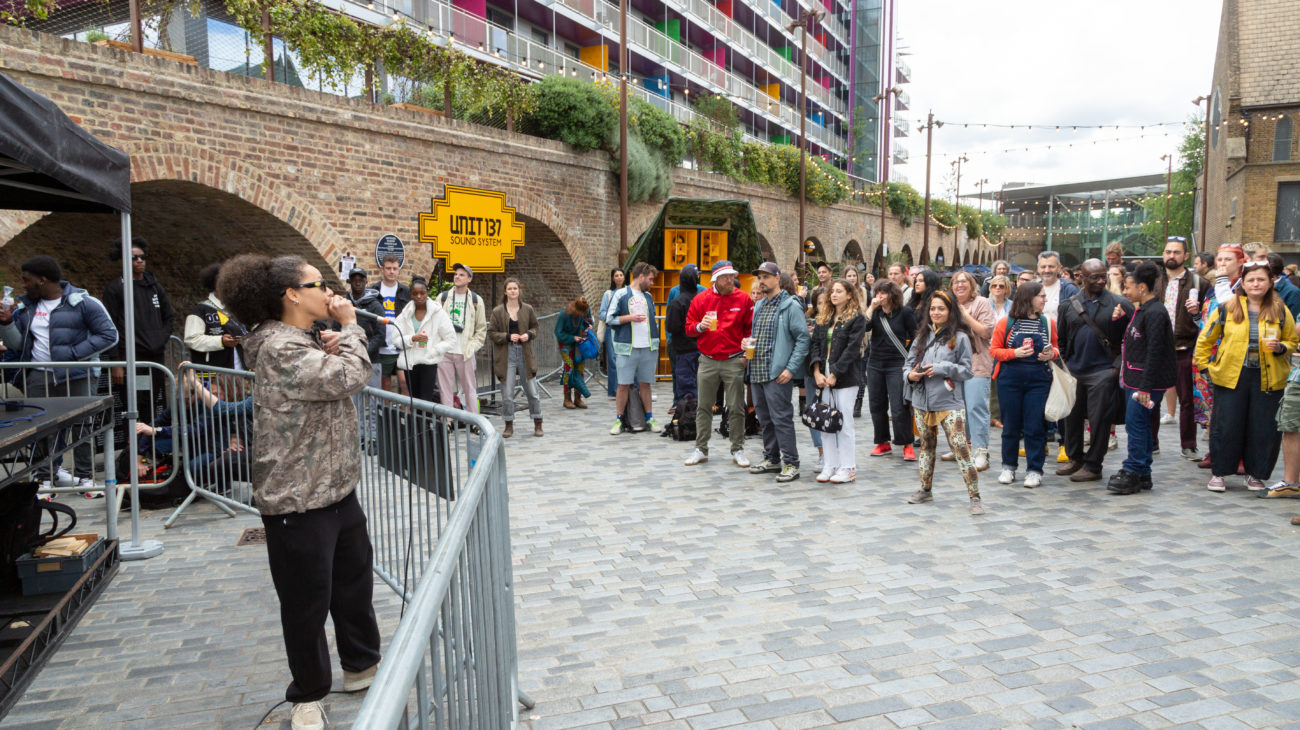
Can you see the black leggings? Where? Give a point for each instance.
(885, 387)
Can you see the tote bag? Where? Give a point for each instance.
(1060, 399)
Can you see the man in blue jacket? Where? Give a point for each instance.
(55, 321)
(779, 344)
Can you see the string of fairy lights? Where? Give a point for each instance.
(1155, 129)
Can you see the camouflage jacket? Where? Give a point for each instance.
(306, 445)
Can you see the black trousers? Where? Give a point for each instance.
(320, 563)
(423, 382)
(1096, 391)
(1244, 427)
(885, 394)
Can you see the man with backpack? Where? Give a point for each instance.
(1090, 346)
(469, 320)
(778, 344)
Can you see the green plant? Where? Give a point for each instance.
(904, 202)
(658, 131)
(96, 35)
(719, 110)
(649, 177)
(575, 112)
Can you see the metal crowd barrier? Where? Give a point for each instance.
(214, 440)
(155, 385)
(453, 662)
(433, 485)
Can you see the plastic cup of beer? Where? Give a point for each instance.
(749, 348)
(713, 320)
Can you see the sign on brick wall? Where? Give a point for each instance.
(472, 227)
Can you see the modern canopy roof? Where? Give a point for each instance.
(48, 162)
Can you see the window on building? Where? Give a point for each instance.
(1287, 227)
(1282, 140)
(572, 50)
(541, 37)
(500, 17)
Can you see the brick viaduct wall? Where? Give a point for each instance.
(223, 164)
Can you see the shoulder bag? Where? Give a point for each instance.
(1064, 390)
(821, 416)
(889, 331)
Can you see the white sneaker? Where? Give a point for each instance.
(653, 398)
(1113, 443)
(844, 475)
(61, 479)
(825, 474)
(85, 486)
(1007, 476)
(947, 456)
(696, 457)
(1166, 418)
(741, 460)
(1033, 479)
(308, 716)
(981, 459)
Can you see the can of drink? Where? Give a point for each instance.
(1027, 342)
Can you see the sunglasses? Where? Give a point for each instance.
(320, 284)
(997, 286)
(137, 257)
(1254, 265)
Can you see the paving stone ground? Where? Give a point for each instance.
(649, 594)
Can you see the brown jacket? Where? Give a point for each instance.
(307, 448)
(499, 333)
(1186, 327)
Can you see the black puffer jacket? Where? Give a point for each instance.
(842, 356)
(1148, 362)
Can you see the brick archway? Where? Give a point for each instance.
(189, 163)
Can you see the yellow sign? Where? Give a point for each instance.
(472, 227)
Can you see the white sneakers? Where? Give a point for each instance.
(1007, 476)
(357, 681)
(981, 459)
(844, 475)
(1033, 479)
(61, 479)
(741, 460)
(696, 457)
(826, 474)
(308, 716)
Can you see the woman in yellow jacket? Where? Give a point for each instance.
(1255, 335)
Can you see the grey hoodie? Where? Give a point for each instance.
(931, 394)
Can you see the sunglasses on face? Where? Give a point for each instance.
(320, 284)
(137, 257)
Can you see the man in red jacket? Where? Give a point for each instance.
(719, 318)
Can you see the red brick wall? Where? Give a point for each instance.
(223, 164)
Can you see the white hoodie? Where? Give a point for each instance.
(436, 324)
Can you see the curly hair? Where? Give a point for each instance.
(827, 311)
(252, 285)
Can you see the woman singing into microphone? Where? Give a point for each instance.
(306, 464)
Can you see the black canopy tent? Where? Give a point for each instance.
(48, 162)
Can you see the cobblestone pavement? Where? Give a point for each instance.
(650, 594)
(656, 595)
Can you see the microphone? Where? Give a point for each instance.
(363, 314)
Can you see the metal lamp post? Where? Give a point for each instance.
(885, 95)
(929, 126)
(805, 19)
(1201, 241)
(1169, 179)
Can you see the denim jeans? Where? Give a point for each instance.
(775, 411)
(977, 412)
(611, 380)
(517, 371)
(810, 391)
(1137, 423)
(1022, 393)
(684, 368)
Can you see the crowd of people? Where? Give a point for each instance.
(1114, 337)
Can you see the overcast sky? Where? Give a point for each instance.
(1040, 62)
